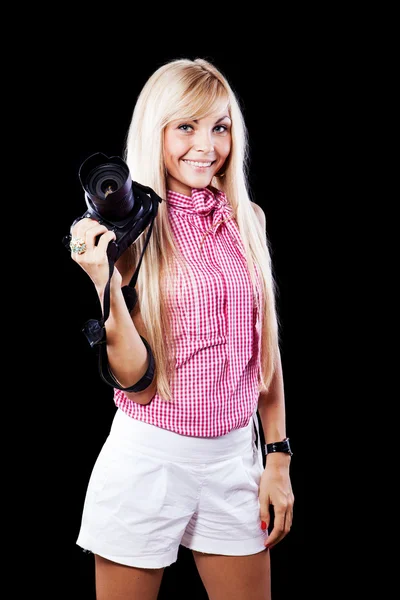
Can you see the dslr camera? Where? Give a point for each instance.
(114, 200)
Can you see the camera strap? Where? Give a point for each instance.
(95, 330)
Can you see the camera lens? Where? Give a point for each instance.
(108, 185)
(104, 180)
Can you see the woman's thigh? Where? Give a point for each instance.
(120, 582)
(235, 577)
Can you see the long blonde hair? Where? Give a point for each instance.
(180, 89)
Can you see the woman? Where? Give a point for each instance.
(181, 463)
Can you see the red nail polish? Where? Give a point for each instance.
(263, 525)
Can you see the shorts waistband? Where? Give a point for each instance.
(163, 443)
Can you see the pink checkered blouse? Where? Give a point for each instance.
(216, 331)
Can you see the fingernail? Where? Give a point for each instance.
(263, 525)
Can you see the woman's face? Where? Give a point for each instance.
(195, 150)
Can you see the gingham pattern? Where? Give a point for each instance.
(217, 330)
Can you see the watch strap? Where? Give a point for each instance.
(283, 446)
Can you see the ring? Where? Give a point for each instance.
(77, 245)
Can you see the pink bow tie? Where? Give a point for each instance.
(202, 202)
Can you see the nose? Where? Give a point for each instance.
(203, 142)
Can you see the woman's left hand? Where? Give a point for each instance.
(276, 490)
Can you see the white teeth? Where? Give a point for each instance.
(197, 164)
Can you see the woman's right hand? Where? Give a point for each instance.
(94, 259)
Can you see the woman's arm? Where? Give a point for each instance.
(271, 404)
(271, 408)
(127, 354)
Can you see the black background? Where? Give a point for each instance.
(91, 110)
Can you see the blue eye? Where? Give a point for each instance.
(184, 125)
(223, 127)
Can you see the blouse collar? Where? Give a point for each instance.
(202, 201)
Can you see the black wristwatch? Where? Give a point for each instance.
(282, 446)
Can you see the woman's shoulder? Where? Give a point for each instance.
(260, 214)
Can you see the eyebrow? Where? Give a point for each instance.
(216, 122)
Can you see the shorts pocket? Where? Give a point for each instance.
(135, 484)
(127, 515)
(251, 468)
(101, 468)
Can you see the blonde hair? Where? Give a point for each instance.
(180, 89)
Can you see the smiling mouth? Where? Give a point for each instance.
(198, 164)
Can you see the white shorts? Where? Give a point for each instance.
(152, 489)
